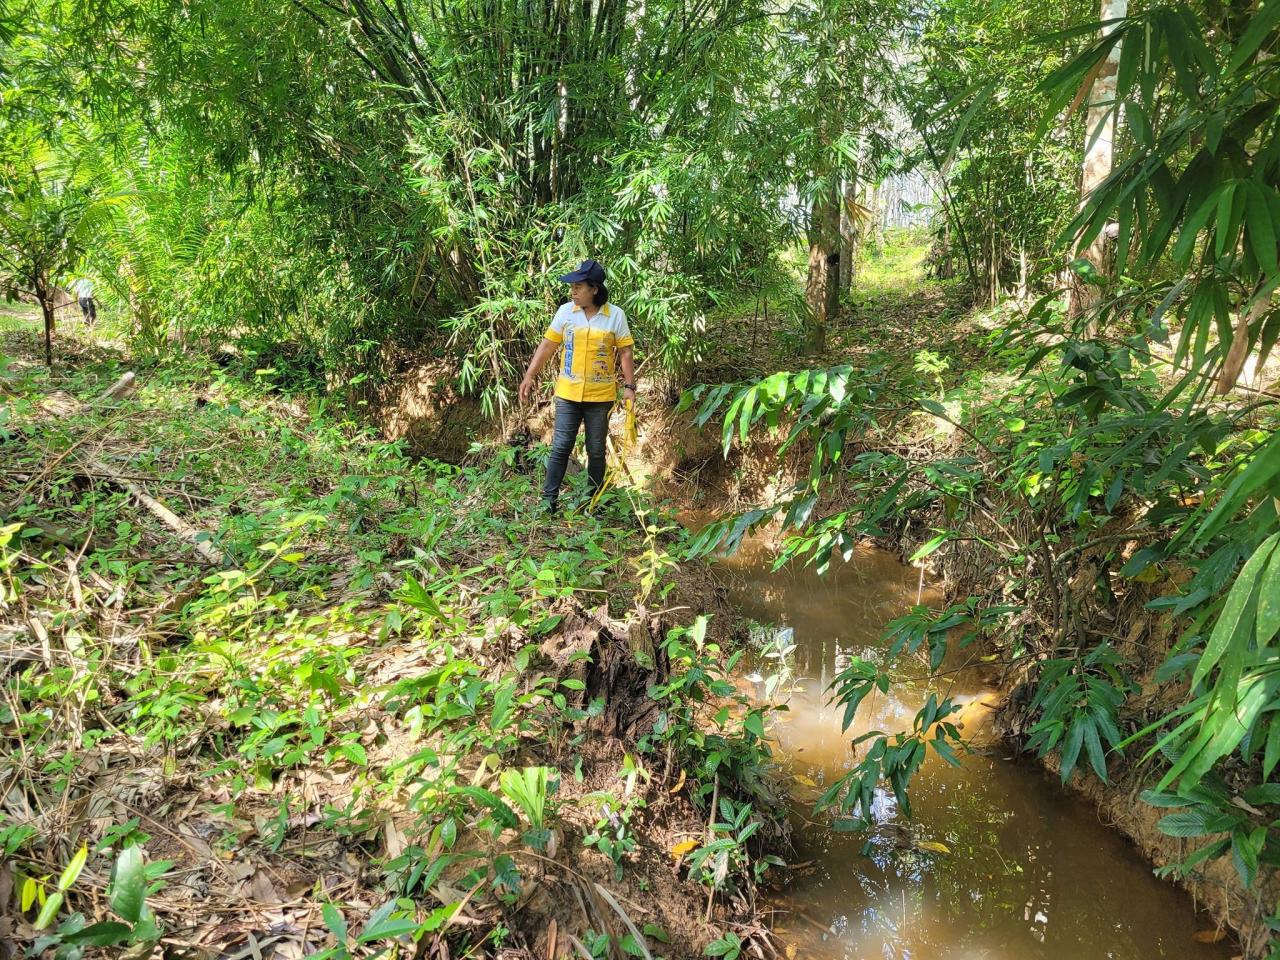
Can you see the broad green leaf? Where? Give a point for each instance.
(1207, 852)
(416, 595)
(384, 925)
(1229, 629)
(335, 922)
(1093, 746)
(493, 803)
(1262, 22)
(943, 749)
(934, 407)
(1269, 602)
(1190, 823)
(1259, 227)
(1160, 798)
(440, 916)
(1244, 853)
(1263, 793)
(105, 933)
(73, 869)
(49, 910)
(1071, 748)
(128, 890)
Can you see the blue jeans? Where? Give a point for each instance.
(570, 414)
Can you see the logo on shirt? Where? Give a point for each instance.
(601, 363)
(568, 353)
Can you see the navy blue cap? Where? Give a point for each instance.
(589, 271)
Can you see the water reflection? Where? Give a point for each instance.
(997, 862)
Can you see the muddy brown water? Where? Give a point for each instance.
(1029, 870)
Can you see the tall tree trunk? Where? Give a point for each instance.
(822, 289)
(848, 234)
(46, 307)
(877, 217)
(45, 294)
(1100, 123)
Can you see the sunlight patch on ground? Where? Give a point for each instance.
(896, 267)
(17, 316)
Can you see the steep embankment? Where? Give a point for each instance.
(945, 440)
(990, 481)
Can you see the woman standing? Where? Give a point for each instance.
(83, 289)
(595, 341)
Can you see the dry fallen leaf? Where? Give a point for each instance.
(393, 840)
(679, 783)
(683, 847)
(551, 939)
(805, 781)
(263, 890)
(933, 846)
(1210, 936)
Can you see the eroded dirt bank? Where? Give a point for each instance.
(1144, 638)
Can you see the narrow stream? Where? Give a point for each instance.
(1028, 870)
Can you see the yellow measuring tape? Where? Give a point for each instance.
(617, 462)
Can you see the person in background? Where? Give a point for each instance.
(83, 289)
(595, 341)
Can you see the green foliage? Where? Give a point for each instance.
(331, 182)
(527, 789)
(1078, 704)
(725, 862)
(1081, 447)
(1209, 809)
(973, 99)
(1071, 446)
(733, 745)
(126, 895)
(48, 215)
(729, 946)
(613, 833)
(356, 629)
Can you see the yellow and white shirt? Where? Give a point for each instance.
(589, 351)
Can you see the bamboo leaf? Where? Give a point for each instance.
(49, 910)
(1261, 470)
(1228, 628)
(1261, 24)
(1071, 749)
(73, 869)
(1259, 228)
(1222, 231)
(128, 885)
(1268, 622)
